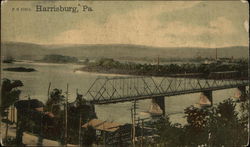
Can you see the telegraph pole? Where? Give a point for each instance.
(142, 133)
(132, 129)
(134, 123)
(80, 129)
(66, 116)
(49, 90)
(158, 63)
(133, 112)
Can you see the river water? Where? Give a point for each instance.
(36, 86)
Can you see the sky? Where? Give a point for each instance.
(150, 23)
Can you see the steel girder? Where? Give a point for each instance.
(121, 89)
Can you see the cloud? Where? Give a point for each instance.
(218, 26)
(221, 25)
(139, 27)
(163, 24)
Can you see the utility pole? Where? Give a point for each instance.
(158, 63)
(80, 129)
(139, 125)
(142, 133)
(49, 90)
(132, 129)
(216, 54)
(104, 137)
(19, 129)
(7, 125)
(134, 124)
(133, 121)
(66, 117)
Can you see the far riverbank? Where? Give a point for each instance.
(186, 70)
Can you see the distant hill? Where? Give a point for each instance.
(31, 51)
(23, 50)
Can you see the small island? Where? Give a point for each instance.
(56, 58)
(9, 60)
(19, 69)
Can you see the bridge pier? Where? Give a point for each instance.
(243, 93)
(160, 101)
(206, 94)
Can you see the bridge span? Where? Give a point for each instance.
(106, 90)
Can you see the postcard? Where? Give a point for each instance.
(124, 73)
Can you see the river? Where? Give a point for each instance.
(36, 86)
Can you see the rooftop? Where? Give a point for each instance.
(102, 125)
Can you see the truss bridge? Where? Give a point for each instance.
(106, 90)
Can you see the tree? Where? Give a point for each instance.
(89, 136)
(211, 126)
(170, 133)
(226, 127)
(9, 93)
(55, 58)
(55, 102)
(195, 131)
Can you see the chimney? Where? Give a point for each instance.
(158, 62)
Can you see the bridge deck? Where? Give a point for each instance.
(123, 89)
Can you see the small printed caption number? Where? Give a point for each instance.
(21, 9)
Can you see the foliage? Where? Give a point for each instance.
(86, 61)
(164, 127)
(226, 128)
(55, 102)
(245, 108)
(59, 59)
(11, 141)
(110, 65)
(214, 126)
(227, 111)
(9, 92)
(89, 136)
(77, 109)
(197, 118)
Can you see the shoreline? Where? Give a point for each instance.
(216, 70)
(31, 62)
(87, 69)
(101, 74)
(83, 68)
